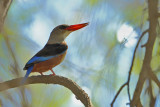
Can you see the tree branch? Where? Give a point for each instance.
(4, 6)
(158, 15)
(152, 98)
(49, 79)
(153, 77)
(153, 20)
(130, 70)
(134, 55)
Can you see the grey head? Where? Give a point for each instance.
(60, 32)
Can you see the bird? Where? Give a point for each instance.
(53, 53)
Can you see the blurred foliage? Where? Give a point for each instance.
(140, 11)
(137, 65)
(98, 61)
(93, 2)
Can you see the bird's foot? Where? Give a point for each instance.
(41, 73)
(53, 72)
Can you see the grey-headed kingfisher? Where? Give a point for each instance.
(54, 52)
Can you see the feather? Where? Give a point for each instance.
(27, 74)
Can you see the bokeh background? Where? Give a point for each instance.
(98, 58)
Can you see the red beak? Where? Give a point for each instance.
(76, 27)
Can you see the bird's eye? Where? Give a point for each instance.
(62, 27)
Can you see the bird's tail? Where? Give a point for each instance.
(27, 74)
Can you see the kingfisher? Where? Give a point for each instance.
(54, 52)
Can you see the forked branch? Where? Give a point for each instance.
(130, 70)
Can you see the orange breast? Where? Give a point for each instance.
(49, 64)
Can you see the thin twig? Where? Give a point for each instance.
(152, 98)
(118, 94)
(49, 79)
(153, 77)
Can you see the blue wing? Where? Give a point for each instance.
(37, 59)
